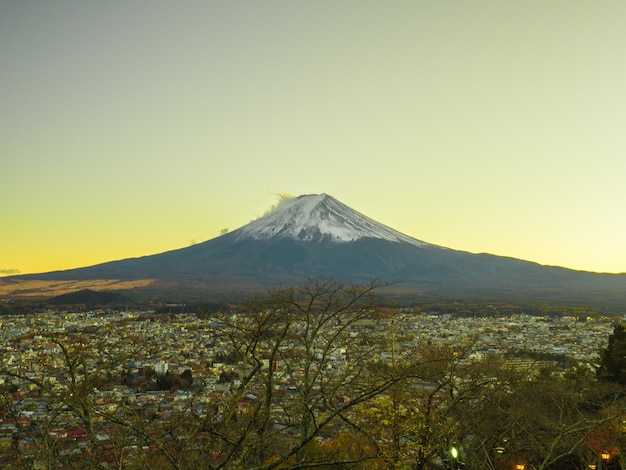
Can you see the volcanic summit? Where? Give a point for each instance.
(319, 217)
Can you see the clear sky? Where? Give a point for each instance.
(129, 128)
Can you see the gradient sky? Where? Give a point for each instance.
(128, 128)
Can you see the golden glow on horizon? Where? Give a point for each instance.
(481, 126)
(26, 289)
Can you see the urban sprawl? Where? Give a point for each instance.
(135, 350)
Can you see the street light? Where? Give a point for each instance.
(605, 455)
(454, 452)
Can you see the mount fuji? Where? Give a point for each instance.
(316, 235)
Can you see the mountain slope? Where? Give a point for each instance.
(317, 235)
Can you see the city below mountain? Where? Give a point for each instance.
(316, 235)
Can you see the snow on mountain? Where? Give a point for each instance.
(319, 217)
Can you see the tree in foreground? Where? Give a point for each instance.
(612, 364)
(303, 337)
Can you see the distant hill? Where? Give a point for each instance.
(90, 298)
(316, 235)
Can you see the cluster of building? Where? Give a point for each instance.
(134, 350)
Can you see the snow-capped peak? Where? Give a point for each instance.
(317, 217)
